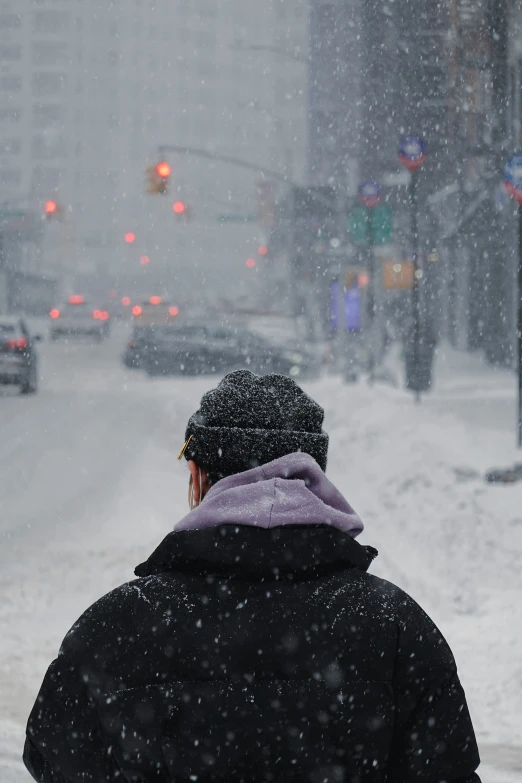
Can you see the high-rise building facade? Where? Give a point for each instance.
(89, 91)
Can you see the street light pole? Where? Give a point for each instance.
(513, 185)
(370, 196)
(415, 289)
(412, 154)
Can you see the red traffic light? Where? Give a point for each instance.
(173, 311)
(179, 207)
(144, 260)
(50, 207)
(136, 310)
(125, 300)
(163, 169)
(250, 263)
(155, 300)
(262, 250)
(130, 237)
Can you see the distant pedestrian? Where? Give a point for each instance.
(254, 646)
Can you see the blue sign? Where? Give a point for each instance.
(352, 309)
(412, 152)
(370, 193)
(513, 176)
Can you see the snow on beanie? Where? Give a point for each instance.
(249, 420)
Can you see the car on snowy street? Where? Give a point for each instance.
(18, 355)
(137, 347)
(77, 317)
(202, 348)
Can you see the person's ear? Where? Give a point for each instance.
(194, 472)
(205, 483)
(200, 488)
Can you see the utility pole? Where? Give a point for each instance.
(370, 197)
(415, 287)
(412, 154)
(513, 184)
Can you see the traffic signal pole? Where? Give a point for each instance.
(415, 289)
(519, 325)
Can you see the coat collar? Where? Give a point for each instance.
(244, 552)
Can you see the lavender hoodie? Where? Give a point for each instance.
(291, 490)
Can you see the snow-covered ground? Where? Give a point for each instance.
(89, 484)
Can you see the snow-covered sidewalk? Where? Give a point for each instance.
(415, 475)
(412, 472)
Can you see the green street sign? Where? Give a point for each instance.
(359, 225)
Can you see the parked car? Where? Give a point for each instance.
(137, 347)
(18, 354)
(77, 317)
(199, 348)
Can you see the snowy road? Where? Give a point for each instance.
(89, 484)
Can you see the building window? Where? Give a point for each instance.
(10, 83)
(46, 178)
(10, 52)
(48, 83)
(45, 147)
(114, 57)
(10, 115)
(51, 22)
(48, 115)
(45, 53)
(10, 146)
(10, 176)
(10, 22)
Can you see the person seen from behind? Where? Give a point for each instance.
(254, 646)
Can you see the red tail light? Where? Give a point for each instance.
(96, 314)
(20, 343)
(54, 313)
(104, 315)
(136, 310)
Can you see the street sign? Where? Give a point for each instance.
(358, 225)
(397, 275)
(513, 176)
(382, 225)
(370, 193)
(412, 152)
(352, 309)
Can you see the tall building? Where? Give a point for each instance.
(89, 92)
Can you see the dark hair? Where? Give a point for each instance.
(249, 420)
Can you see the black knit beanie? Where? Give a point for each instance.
(249, 420)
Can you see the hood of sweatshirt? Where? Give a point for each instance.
(291, 490)
(284, 519)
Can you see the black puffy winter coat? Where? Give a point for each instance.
(243, 654)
